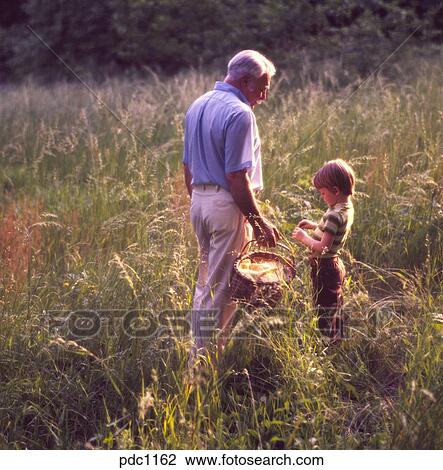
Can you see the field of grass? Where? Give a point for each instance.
(95, 218)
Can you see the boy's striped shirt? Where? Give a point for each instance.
(337, 221)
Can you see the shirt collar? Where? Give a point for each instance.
(342, 205)
(223, 86)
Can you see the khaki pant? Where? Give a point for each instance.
(221, 231)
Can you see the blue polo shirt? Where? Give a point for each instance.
(221, 136)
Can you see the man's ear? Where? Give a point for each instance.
(244, 81)
(336, 190)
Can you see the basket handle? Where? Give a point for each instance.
(279, 244)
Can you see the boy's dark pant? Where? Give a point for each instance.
(327, 276)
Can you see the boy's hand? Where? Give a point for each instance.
(298, 234)
(307, 224)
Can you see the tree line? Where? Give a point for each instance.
(104, 37)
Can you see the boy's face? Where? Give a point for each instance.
(330, 196)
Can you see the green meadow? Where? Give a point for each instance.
(94, 219)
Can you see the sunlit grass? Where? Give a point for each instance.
(94, 218)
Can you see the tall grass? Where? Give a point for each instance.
(94, 218)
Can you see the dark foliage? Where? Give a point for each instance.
(119, 36)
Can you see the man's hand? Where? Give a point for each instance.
(265, 233)
(240, 185)
(307, 224)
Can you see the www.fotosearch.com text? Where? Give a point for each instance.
(171, 459)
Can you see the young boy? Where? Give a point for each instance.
(335, 182)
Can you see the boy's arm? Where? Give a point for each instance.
(320, 247)
(307, 224)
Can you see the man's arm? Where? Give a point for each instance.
(188, 178)
(240, 187)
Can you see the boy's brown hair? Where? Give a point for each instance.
(335, 173)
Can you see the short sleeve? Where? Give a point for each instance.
(331, 223)
(239, 142)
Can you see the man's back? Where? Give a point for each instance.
(221, 137)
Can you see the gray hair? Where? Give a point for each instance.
(249, 63)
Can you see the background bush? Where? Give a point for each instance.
(122, 36)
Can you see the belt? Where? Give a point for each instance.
(314, 261)
(216, 188)
(207, 186)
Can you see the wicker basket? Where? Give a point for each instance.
(259, 293)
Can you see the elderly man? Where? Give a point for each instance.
(222, 167)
